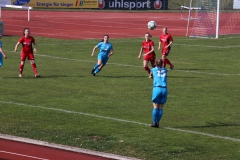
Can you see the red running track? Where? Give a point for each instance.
(87, 25)
(14, 148)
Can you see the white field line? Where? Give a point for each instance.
(207, 46)
(139, 41)
(129, 65)
(122, 120)
(22, 155)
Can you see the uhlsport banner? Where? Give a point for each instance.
(57, 3)
(134, 4)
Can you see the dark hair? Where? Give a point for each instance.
(104, 36)
(25, 30)
(149, 34)
(159, 62)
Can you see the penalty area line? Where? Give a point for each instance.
(126, 121)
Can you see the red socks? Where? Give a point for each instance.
(34, 67)
(21, 68)
(147, 69)
(166, 61)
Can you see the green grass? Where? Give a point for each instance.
(111, 112)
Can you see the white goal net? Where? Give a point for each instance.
(216, 17)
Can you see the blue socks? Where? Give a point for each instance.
(160, 113)
(97, 70)
(157, 115)
(96, 65)
(154, 115)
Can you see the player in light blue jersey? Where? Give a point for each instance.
(2, 53)
(159, 92)
(106, 50)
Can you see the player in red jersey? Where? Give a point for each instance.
(165, 41)
(149, 54)
(27, 51)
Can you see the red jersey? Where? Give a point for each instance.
(147, 46)
(27, 44)
(165, 39)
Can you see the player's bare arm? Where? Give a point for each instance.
(151, 75)
(150, 51)
(16, 47)
(94, 48)
(159, 45)
(169, 44)
(35, 47)
(4, 55)
(140, 54)
(111, 53)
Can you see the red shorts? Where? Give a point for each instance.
(165, 51)
(150, 58)
(30, 56)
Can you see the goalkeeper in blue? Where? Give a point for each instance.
(106, 50)
(159, 92)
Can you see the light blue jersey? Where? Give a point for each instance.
(105, 49)
(1, 57)
(159, 93)
(159, 77)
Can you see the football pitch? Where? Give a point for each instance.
(111, 112)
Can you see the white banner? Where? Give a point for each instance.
(236, 4)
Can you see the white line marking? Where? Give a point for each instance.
(122, 120)
(130, 65)
(207, 46)
(23, 155)
(219, 74)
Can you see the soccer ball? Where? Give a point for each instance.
(151, 25)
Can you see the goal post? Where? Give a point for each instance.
(215, 17)
(190, 8)
(15, 7)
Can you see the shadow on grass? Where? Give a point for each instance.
(212, 125)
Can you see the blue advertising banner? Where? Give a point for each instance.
(134, 4)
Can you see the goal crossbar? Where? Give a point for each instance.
(17, 7)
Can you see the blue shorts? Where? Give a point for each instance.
(159, 95)
(103, 58)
